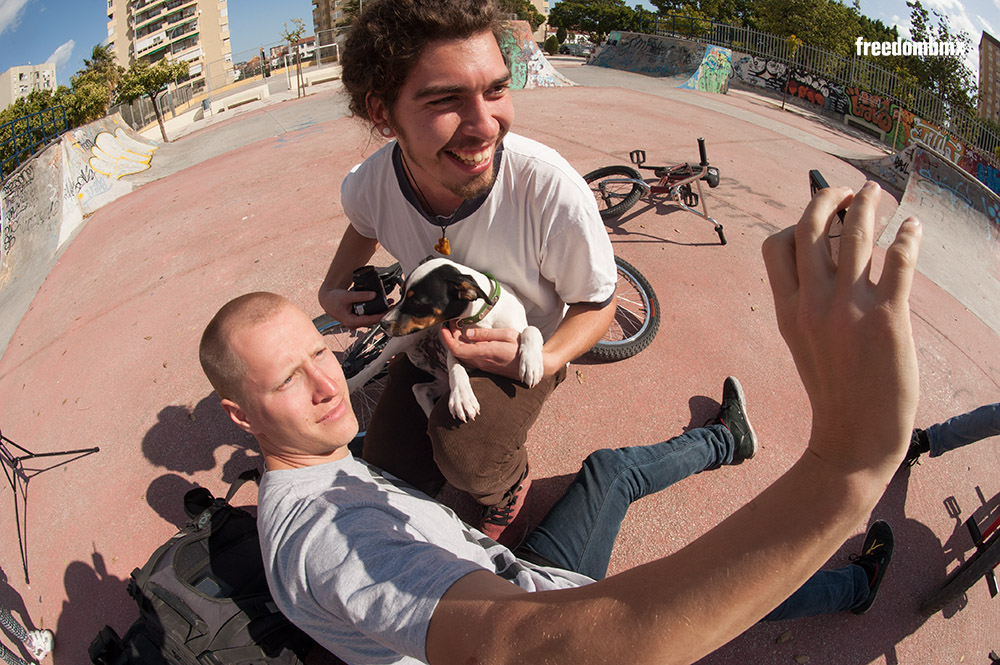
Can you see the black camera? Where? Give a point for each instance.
(366, 278)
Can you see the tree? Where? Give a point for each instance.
(143, 79)
(946, 76)
(561, 35)
(525, 12)
(292, 36)
(597, 17)
(350, 10)
(94, 86)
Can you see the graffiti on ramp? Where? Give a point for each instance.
(961, 222)
(116, 155)
(528, 66)
(694, 66)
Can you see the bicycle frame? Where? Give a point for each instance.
(674, 182)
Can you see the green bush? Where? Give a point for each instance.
(551, 45)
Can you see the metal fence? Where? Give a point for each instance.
(21, 138)
(848, 71)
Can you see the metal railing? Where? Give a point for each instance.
(21, 138)
(848, 71)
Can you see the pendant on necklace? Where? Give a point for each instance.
(443, 246)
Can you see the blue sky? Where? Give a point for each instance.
(65, 31)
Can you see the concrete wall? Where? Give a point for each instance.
(693, 65)
(47, 199)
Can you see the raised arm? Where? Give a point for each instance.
(853, 348)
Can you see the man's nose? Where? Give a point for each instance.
(323, 385)
(479, 118)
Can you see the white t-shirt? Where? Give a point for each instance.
(359, 561)
(538, 230)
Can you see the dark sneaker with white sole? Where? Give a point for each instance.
(733, 415)
(874, 559)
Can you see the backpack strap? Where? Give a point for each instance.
(249, 474)
(179, 606)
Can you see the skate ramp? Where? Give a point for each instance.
(694, 66)
(45, 201)
(961, 220)
(528, 66)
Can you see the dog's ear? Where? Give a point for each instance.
(463, 287)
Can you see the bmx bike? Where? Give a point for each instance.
(635, 324)
(618, 188)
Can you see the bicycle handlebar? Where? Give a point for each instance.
(701, 151)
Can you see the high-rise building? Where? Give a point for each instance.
(195, 31)
(326, 15)
(989, 77)
(19, 82)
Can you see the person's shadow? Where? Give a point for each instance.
(186, 440)
(93, 598)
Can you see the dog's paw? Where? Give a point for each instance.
(530, 365)
(463, 404)
(531, 370)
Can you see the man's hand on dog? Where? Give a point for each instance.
(493, 350)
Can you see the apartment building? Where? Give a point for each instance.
(326, 14)
(989, 77)
(195, 31)
(19, 82)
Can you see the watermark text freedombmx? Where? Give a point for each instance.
(900, 47)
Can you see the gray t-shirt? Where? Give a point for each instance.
(359, 561)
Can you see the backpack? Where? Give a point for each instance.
(203, 598)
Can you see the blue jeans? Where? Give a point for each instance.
(580, 530)
(964, 429)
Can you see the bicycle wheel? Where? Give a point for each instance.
(964, 577)
(637, 318)
(612, 189)
(355, 349)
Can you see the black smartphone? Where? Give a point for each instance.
(818, 182)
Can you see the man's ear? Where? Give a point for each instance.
(379, 115)
(237, 415)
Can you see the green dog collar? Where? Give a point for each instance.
(487, 306)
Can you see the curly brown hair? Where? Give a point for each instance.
(389, 36)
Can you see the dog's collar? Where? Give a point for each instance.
(487, 306)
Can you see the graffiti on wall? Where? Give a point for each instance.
(714, 72)
(650, 55)
(775, 76)
(528, 66)
(942, 179)
(28, 200)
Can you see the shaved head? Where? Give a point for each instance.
(223, 367)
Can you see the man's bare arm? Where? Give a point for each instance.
(853, 348)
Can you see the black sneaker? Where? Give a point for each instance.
(919, 444)
(874, 559)
(733, 415)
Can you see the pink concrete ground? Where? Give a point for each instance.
(107, 356)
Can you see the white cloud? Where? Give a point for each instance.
(958, 18)
(62, 54)
(986, 25)
(10, 14)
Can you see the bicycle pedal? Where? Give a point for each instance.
(638, 157)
